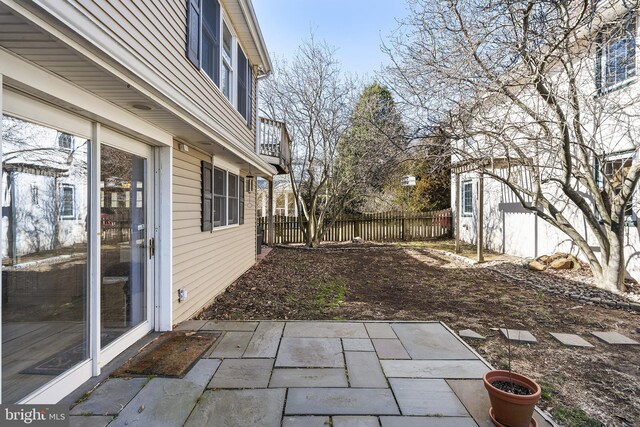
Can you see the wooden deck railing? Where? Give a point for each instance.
(379, 227)
(274, 141)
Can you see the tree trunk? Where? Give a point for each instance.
(613, 268)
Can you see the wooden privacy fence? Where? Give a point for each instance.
(378, 227)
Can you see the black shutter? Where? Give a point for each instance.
(249, 94)
(242, 82)
(241, 214)
(193, 31)
(207, 196)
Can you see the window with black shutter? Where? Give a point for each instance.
(211, 39)
(242, 83)
(193, 31)
(249, 94)
(207, 196)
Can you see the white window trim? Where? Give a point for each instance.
(463, 205)
(73, 200)
(226, 196)
(224, 20)
(602, 59)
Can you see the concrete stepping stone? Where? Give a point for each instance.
(571, 340)
(518, 336)
(242, 373)
(471, 369)
(468, 333)
(310, 353)
(265, 340)
(163, 402)
(227, 325)
(110, 397)
(341, 401)
(364, 370)
(308, 377)
(190, 325)
(614, 338)
(390, 349)
(231, 345)
(239, 408)
(84, 421)
(428, 422)
(306, 421)
(357, 344)
(380, 330)
(325, 330)
(355, 421)
(431, 341)
(431, 397)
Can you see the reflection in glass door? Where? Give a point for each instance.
(123, 253)
(44, 255)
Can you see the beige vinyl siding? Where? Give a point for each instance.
(204, 263)
(155, 32)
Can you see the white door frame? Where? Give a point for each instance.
(125, 143)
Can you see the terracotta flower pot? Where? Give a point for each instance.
(511, 409)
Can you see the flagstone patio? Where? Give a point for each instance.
(288, 374)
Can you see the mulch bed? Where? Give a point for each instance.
(581, 387)
(172, 354)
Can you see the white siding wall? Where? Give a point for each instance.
(204, 263)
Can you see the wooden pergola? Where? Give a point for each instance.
(469, 166)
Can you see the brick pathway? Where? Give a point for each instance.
(288, 374)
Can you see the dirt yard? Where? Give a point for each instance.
(581, 387)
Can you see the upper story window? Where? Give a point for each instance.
(65, 141)
(213, 47)
(467, 198)
(617, 54)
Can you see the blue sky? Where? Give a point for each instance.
(354, 27)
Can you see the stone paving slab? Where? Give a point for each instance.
(265, 340)
(571, 340)
(390, 349)
(242, 373)
(364, 370)
(228, 325)
(202, 371)
(474, 397)
(427, 422)
(430, 341)
(306, 421)
(239, 408)
(340, 401)
(163, 402)
(96, 421)
(468, 333)
(380, 330)
(614, 338)
(355, 421)
(431, 397)
(110, 397)
(519, 336)
(190, 325)
(231, 345)
(357, 344)
(310, 353)
(325, 330)
(459, 369)
(308, 377)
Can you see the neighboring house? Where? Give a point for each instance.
(130, 152)
(283, 202)
(506, 226)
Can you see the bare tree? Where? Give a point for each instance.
(316, 100)
(535, 95)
